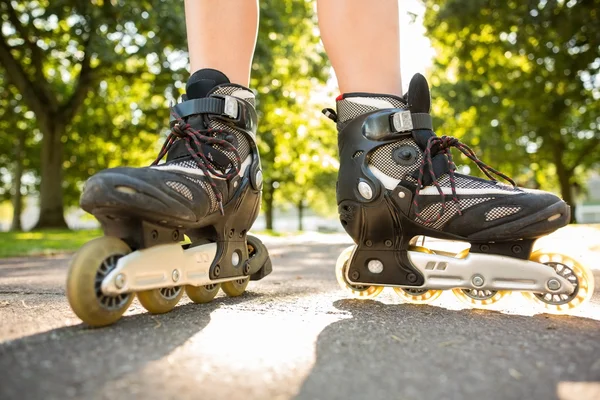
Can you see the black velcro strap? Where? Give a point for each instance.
(205, 105)
(421, 121)
(422, 137)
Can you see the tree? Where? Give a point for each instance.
(56, 53)
(520, 80)
(96, 77)
(16, 160)
(289, 66)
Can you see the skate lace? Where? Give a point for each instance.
(184, 131)
(444, 143)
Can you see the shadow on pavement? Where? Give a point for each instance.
(77, 361)
(425, 352)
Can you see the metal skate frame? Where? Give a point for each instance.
(481, 271)
(164, 266)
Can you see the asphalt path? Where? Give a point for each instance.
(295, 334)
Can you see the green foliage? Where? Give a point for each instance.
(46, 242)
(519, 80)
(98, 57)
(99, 75)
(297, 147)
(15, 121)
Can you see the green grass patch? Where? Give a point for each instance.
(44, 242)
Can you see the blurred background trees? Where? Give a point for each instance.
(86, 86)
(519, 80)
(88, 83)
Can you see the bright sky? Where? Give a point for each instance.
(416, 53)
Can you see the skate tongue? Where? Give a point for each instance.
(203, 81)
(419, 98)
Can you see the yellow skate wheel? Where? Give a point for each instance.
(88, 267)
(160, 301)
(578, 274)
(356, 291)
(479, 298)
(418, 295)
(202, 294)
(235, 288)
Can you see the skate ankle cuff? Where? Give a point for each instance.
(227, 108)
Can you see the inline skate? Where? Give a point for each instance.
(209, 189)
(397, 182)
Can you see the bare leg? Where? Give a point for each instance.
(362, 39)
(222, 35)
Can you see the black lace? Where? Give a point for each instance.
(443, 144)
(184, 131)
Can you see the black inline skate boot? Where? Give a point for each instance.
(209, 189)
(397, 181)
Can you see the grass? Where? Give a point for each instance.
(45, 242)
(49, 242)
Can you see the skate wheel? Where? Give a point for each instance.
(87, 269)
(356, 291)
(160, 301)
(202, 294)
(570, 269)
(235, 288)
(479, 298)
(418, 296)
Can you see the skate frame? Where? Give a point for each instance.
(481, 271)
(165, 265)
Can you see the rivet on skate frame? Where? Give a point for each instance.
(375, 266)
(175, 275)
(235, 259)
(553, 284)
(120, 281)
(365, 190)
(354, 275)
(477, 281)
(259, 178)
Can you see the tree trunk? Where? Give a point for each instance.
(566, 191)
(300, 215)
(51, 191)
(268, 192)
(17, 197)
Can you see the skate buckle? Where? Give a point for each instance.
(231, 107)
(402, 121)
